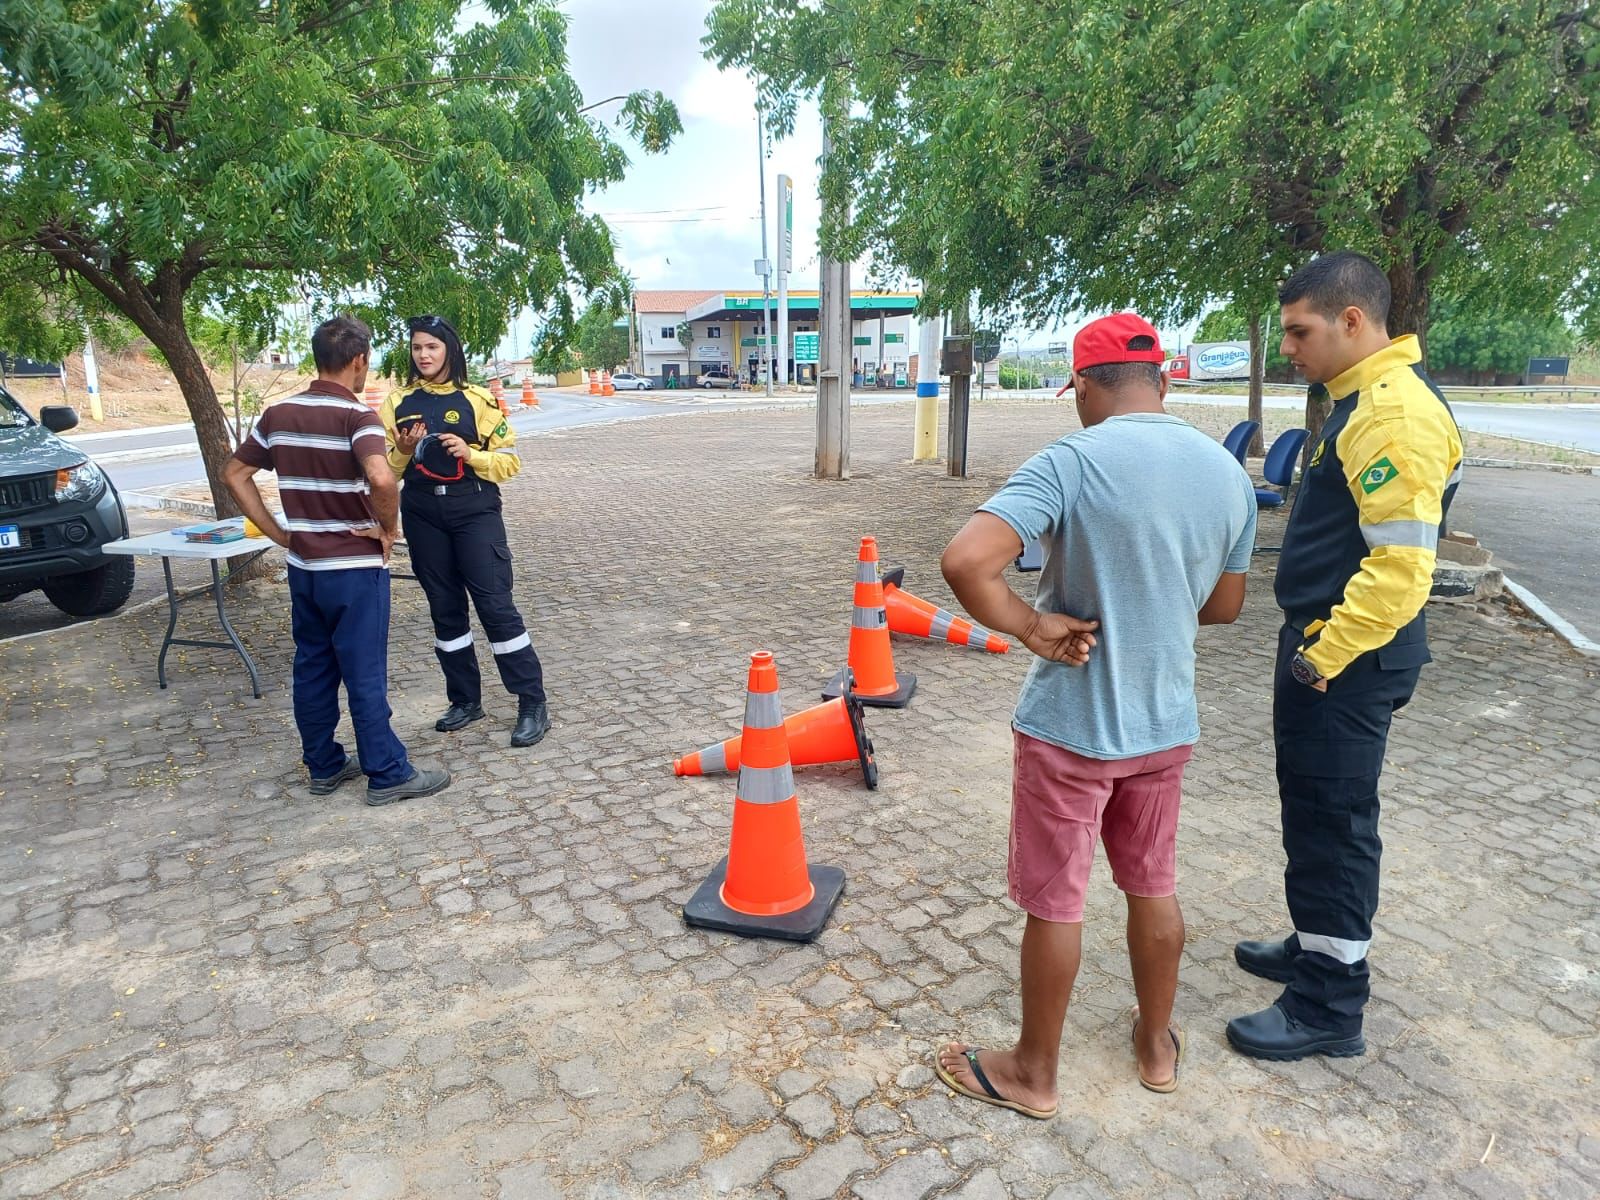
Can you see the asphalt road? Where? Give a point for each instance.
(140, 459)
(1575, 426)
(1544, 529)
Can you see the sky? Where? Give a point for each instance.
(688, 218)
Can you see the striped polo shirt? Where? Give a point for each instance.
(315, 442)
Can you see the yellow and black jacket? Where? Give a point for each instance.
(468, 412)
(1358, 555)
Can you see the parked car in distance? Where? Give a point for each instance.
(57, 508)
(716, 379)
(627, 381)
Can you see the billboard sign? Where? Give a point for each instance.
(807, 347)
(1219, 360)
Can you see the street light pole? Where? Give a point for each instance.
(766, 268)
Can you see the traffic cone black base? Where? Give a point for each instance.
(707, 911)
(864, 750)
(905, 688)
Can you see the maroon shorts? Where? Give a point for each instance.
(1062, 802)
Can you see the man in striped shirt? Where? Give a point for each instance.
(340, 502)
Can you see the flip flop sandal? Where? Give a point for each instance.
(992, 1097)
(1170, 1085)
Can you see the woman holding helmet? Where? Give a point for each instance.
(452, 448)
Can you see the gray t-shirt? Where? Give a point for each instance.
(1139, 517)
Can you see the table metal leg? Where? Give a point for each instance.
(172, 622)
(227, 627)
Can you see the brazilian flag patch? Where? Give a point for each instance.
(500, 430)
(1378, 474)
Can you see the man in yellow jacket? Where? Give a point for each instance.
(1355, 573)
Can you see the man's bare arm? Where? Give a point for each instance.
(974, 565)
(1226, 600)
(239, 478)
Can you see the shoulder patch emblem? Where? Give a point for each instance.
(452, 417)
(501, 429)
(1316, 455)
(1378, 474)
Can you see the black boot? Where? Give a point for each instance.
(1269, 960)
(1274, 1034)
(458, 716)
(533, 722)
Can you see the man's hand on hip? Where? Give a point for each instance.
(385, 537)
(1060, 638)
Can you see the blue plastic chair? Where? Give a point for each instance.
(1238, 439)
(1031, 558)
(1278, 470)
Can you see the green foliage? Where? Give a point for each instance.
(1090, 156)
(1470, 339)
(396, 156)
(602, 343)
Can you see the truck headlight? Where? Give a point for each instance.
(82, 482)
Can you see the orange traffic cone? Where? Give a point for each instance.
(529, 400)
(830, 732)
(497, 390)
(605, 387)
(915, 616)
(871, 657)
(594, 383)
(764, 887)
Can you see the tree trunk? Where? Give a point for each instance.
(210, 423)
(1409, 288)
(1258, 373)
(1318, 405)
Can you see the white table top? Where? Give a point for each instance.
(171, 543)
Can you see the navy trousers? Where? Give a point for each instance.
(458, 548)
(1330, 747)
(341, 635)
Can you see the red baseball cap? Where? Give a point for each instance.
(1107, 341)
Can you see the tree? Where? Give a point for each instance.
(602, 342)
(166, 159)
(1091, 156)
(1481, 343)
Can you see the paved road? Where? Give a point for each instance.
(491, 992)
(1544, 529)
(142, 459)
(1576, 426)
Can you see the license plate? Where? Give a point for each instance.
(10, 538)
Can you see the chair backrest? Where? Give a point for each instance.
(1278, 470)
(1238, 439)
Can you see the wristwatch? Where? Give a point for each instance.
(1302, 670)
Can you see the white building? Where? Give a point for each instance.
(726, 332)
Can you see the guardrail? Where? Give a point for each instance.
(1523, 389)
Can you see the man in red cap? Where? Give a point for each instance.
(1147, 526)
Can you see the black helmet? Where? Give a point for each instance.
(434, 461)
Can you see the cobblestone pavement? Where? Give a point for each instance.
(212, 985)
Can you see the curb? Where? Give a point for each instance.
(197, 508)
(1558, 624)
(1510, 464)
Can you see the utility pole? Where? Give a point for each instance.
(833, 325)
(766, 263)
(958, 363)
(785, 265)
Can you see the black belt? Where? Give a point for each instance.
(459, 488)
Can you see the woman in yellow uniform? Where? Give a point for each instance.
(452, 448)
